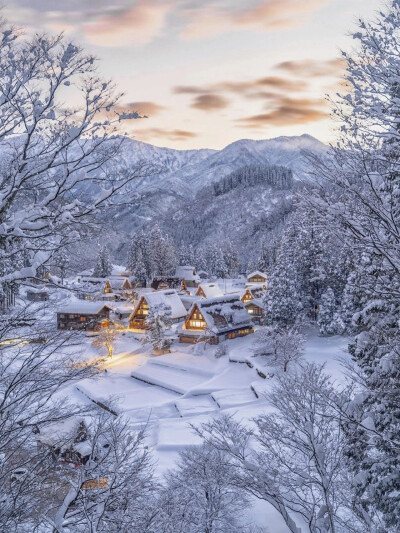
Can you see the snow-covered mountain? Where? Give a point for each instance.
(181, 174)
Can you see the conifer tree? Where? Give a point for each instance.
(103, 266)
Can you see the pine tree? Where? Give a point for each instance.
(103, 266)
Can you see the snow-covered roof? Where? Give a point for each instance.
(83, 307)
(118, 270)
(62, 432)
(211, 290)
(117, 283)
(186, 272)
(91, 279)
(38, 290)
(188, 300)
(170, 298)
(255, 301)
(257, 273)
(224, 313)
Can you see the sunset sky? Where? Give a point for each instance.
(209, 72)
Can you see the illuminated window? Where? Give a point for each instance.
(197, 323)
(231, 335)
(83, 319)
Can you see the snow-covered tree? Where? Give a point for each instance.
(31, 375)
(200, 495)
(61, 261)
(294, 458)
(230, 258)
(263, 260)
(363, 173)
(52, 151)
(103, 266)
(279, 346)
(159, 322)
(329, 319)
(282, 301)
(106, 338)
(112, 492)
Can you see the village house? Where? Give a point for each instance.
(215, 320)
(118, 287)
(202, 274)
(255, 309)
(188, 276)
(67, 441)
(37, 295)
(169, 298)
(209, 290)
(251, 293)
(166, 282)
(82, 315)
(258, 278)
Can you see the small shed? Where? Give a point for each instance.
(83, 315)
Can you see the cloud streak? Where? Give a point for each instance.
(285, 111)
(138, 24)
(269, 15)
(148, 134)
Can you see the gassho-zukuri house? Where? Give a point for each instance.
(83, 315)
(209, 290)
(258, 278)
(215, 320)
(188, 276)
(169, 298)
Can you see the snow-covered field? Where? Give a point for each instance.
(189, 386)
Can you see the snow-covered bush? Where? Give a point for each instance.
(159, 322)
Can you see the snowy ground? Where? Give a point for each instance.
(168, 393)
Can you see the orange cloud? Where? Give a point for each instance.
(209, 102)
(268, 15)
(312, 68)
(287, 112)
(148, 134)
(138, 24)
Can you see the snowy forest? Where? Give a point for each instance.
(318, 449)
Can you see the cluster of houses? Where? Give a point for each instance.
(202, 309)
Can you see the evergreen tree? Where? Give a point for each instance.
(263, 258)
(329, 320)
(230, 258)
(139, 270)
(283, 299)
(103, 266)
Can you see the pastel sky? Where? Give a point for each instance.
(209, 72)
